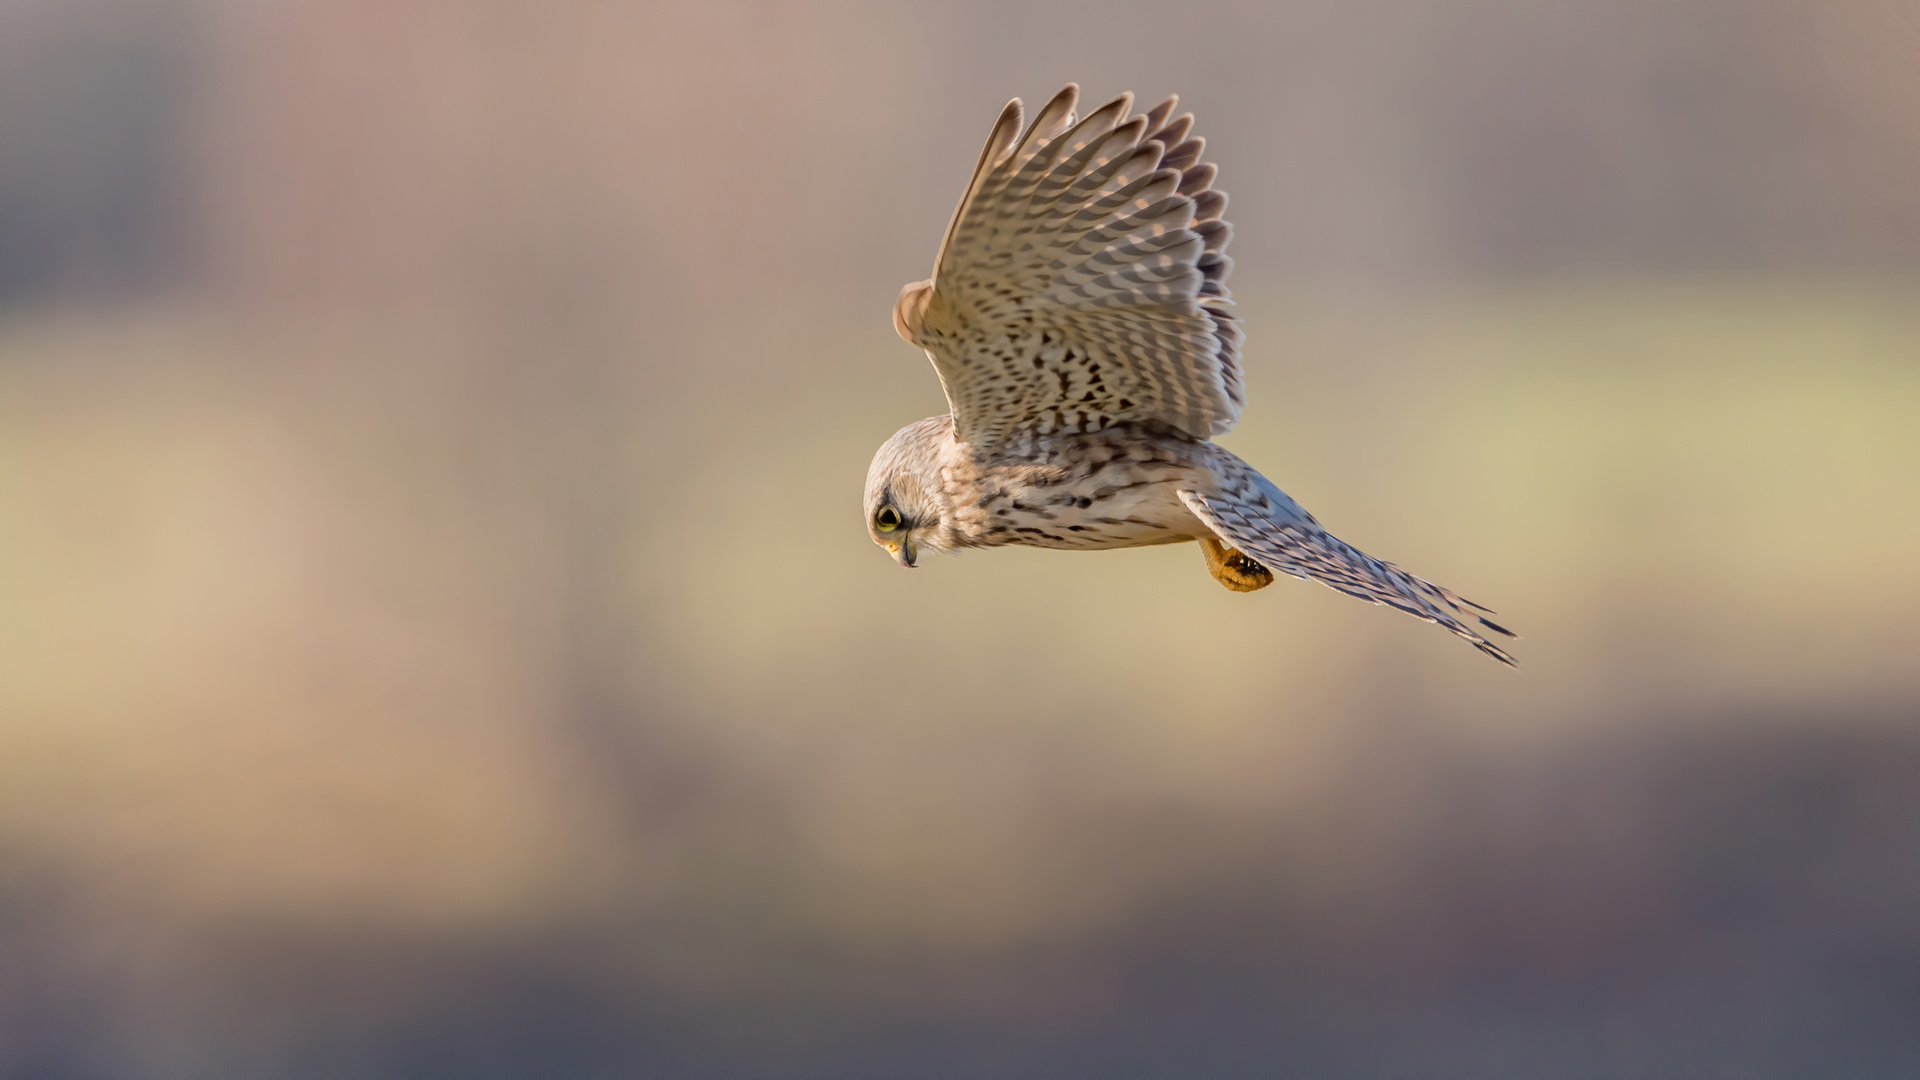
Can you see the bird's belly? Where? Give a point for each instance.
(1095, 516)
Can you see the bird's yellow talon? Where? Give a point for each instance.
(1232, 569)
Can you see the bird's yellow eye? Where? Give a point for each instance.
(887, 520)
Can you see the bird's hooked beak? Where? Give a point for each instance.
(902, 551)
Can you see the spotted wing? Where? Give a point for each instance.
(1081, 283)
(1281, 536)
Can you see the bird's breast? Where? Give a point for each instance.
(1101, 501)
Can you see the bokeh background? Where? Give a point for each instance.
(438, 637)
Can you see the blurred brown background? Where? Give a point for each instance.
(438, 637)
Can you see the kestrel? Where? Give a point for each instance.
(1079, 320)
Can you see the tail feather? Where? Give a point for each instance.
(1288, 540)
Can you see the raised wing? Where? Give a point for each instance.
(1285, 538)
(1081, 283)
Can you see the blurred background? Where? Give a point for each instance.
(438, 635)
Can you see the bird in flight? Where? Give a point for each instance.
(1079, 320)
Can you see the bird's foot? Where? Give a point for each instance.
(1232, 569)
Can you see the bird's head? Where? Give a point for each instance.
(907, 506)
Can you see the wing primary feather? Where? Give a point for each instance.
(1063, 217)
(1214, 266)
(1175, 131)
(1198, 179)
(1081, 144)
(1218, 234)
(1039, 149)
(997, 141)
(1108, 204)
(1100, 121)
(1011, 182)
(1184, 154)
(1134, 234)
(1118, 150)
(1053, 118)
(1157, 116)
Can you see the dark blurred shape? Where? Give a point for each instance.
(1656, 905)
(96, 127)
